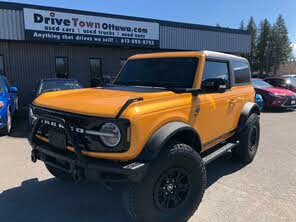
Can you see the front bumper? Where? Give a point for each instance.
(282, 102)
(89, 168)
(79, 166)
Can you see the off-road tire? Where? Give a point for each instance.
(59, 174)
(141, 200)
(249, 140)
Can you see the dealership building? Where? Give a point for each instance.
(38, 42)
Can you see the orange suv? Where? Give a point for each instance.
(165, 117)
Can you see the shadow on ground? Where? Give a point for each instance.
(277, 110)
(20, 125)
(221, 167)
(54, 200)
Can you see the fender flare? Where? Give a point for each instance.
(248, 109)
(164, 134)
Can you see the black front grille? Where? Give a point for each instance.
(79, 138)
(76, 121)
(289, 101)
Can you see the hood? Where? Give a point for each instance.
(280, 91)
(103, 102)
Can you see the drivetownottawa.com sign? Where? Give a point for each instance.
(53, 26)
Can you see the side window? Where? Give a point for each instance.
(6, 85)
(215, 73)
(283, 83)
(1, 86)
(215, 70)
(2, 70)
(62, 67)
(242, 72)
(275, 82)
(122, 62)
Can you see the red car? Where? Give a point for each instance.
(273, 96)
(286, 82)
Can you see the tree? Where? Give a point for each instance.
(242, 25)
(263, 49)
(253, 32)
(281, 45)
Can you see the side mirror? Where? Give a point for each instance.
(218, 85)
(284, 85)
(13, 89)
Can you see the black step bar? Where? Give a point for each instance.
(214, 155)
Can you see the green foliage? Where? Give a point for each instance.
(263, 48)
(242, 25)
(281, 45)
(271, 47)
(252, 28)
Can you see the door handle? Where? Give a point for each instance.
(232, 101)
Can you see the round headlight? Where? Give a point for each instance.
(110, 134)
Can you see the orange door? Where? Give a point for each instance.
(216, 115)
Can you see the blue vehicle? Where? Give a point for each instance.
(8, 104)
(259, 101)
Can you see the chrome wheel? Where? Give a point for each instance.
(8, 122)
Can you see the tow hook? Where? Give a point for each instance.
(78, 174)
(34, 156)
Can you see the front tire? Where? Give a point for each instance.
(172, 189)
(249, 140)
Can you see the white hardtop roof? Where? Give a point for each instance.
(222, 56)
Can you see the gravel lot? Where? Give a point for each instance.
(262, 191)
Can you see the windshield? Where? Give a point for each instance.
(159, 72)
(257, 83)
(58, 85)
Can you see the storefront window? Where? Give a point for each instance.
(1, 64)
(62, 67)
(95, 66)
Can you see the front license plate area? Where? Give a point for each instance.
(57, 140)
(293, 102)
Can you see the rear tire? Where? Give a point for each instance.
(249, 140)
(172, 189)
(59, 174)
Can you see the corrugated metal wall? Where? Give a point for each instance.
(193, 39)
(11, 24)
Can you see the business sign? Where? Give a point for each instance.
(53, 26)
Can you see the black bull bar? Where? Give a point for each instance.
(78, 165)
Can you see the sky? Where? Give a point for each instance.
(226, 13)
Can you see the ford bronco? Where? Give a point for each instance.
(165, 117)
